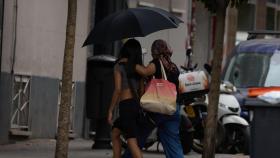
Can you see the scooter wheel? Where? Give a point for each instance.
(197, 146)
(237, 139)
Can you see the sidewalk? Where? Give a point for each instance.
(78, 148)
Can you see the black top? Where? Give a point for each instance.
(171, 76)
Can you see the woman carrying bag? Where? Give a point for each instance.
(168, 125)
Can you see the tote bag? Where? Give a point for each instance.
(160, 95)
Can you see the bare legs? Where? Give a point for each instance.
(116, 143)
(133, 147)
(131, 142)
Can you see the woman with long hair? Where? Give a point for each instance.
(128, 85)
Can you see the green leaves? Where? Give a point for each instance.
(213, 5)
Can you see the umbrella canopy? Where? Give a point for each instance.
(133, 22)
(174, 18)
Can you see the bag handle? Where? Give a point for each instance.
(162, 70)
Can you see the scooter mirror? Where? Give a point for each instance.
(227, 87)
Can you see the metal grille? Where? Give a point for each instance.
(20, 103)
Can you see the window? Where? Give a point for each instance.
(20, 103)
(278, 21)
(246, 17)
(272, 79)
(270, 20)
(248, 69)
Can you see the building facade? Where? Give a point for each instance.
(255, 15)
(32, 47)
(31, 67)
(31, 59)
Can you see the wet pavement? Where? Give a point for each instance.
(78, 148)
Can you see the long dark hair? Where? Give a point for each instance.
(133, 52)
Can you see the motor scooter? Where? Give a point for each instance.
(236, 128)
(232, 133)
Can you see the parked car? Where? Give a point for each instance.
(253, 63)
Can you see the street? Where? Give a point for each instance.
(78, 148)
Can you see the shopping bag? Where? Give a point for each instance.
(160, 95)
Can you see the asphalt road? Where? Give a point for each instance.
(78, 148)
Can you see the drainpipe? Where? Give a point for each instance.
(14, 35)
(1, 33)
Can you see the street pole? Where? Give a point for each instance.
(1, 30)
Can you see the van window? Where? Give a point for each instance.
(273, 76)
(250, 69)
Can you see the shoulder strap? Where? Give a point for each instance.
(162, 70)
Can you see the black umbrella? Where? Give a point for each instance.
(133, 22)
(174, 18)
